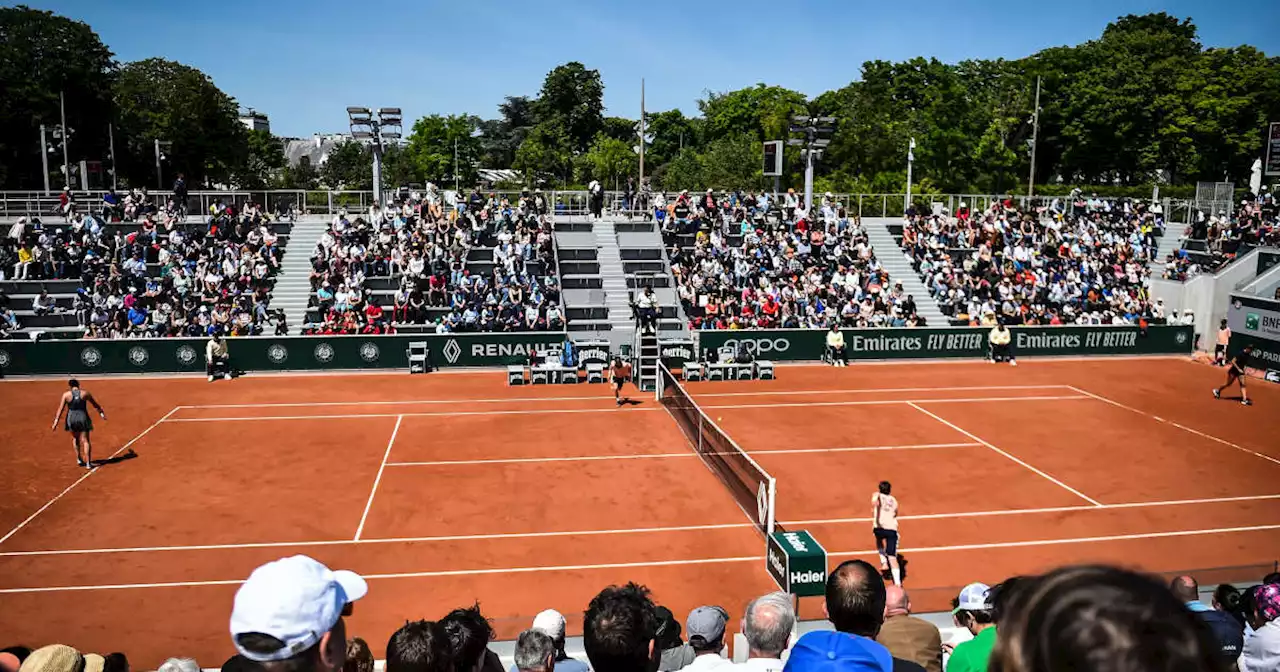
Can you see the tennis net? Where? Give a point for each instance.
(751, 486)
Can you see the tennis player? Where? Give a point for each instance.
(619, 373)
(76, 403)
(884, 525)
(1235, 374)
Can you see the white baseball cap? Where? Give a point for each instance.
(974, 597)
(296, 600)
(550, 623)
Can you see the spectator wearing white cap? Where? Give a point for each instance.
(551, 623)
(287, 616)
(974, 611)
(767, 625)
(705, 626)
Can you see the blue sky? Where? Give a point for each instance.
(302, 62)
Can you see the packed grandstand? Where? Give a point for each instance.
(107, 267)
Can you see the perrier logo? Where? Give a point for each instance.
(1251, 321)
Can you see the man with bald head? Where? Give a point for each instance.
(855, 605)
(1226, 630)
(906, 636)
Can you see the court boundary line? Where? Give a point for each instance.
(975, 437)
(378, 479)
(1042, 510)
(496, 400)
(665, 563)
(85, 475)
(650, 456)
(615, 409)
(1176, 424)
(610, 532)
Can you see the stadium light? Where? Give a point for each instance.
(387, 125)
(816, 132)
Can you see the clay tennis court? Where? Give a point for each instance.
(447, 488)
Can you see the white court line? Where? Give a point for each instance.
(1179, 426)
(85, 475)
(659, 456)
(1048, 509)
(885, 402)
(614, 409)
(1074, 540)
(517, 400)
(589, 533)
(952, 425)
(663, 563)
(410, 575)
(378, 479)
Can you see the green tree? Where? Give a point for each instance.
(500, 138)
(611, 160)
(302, 176)
(349, 165)
(433, 143)
(265, 159)
(171, 102)
(42, 54)
(672, 132)
(572, 102)
(733, 163)
(545, 156)
(763, 111)
(622, 129)
(682, 172)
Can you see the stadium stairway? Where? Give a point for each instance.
(1170, 241)
(293, 284)
(614, 282)
(898, 265)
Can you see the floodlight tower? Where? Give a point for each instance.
(385, 127)
(817, 137)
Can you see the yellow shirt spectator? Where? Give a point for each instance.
(999, 336)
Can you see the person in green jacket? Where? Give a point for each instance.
(976, 612)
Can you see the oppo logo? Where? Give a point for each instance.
(760, 345)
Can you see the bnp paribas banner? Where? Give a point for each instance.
(1256, 321)
(268, 353)
(809, 344)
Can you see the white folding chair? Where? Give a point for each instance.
(418, 357)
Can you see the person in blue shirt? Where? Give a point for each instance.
(137, 316)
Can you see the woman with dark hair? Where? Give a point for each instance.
(76, 402)
(1099, 618)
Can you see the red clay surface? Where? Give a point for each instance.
(528, 498)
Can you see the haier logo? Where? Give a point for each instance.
(811, 576)
(796, 542)
(775, 559)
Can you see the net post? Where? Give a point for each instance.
(659, 380)
(773, 498)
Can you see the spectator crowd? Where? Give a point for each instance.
(424, 241)
(289, 616)
(154, 276)
(1220, 239)
(754, 264)
(1080, 261)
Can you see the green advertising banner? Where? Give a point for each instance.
(797, 562)
(927, 343)
(269, 353)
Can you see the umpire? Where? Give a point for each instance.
(1001, 341)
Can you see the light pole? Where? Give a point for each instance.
(66, 133)
(162, 146)
(386, 126)
(911, 157)
(817, 137)
(1035, 135)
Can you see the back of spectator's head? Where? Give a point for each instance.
(767, 624)
(974, 605)
(550, 623)
(1273, 577)
(419, 646)
(535, 652)
(179, 665)
(115, 662)
(238, 663)
(288, 614)
(359, 656)
(54, 658)
(1103, 619)
(706, 626)
(1266, 604)
(855, 598)
(1185, 588)
(11, 658)
(469, 634)
(1227, 597)
(896, 601)
(619, 630)
(668, 629)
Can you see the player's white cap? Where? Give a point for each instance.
(296, 600)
